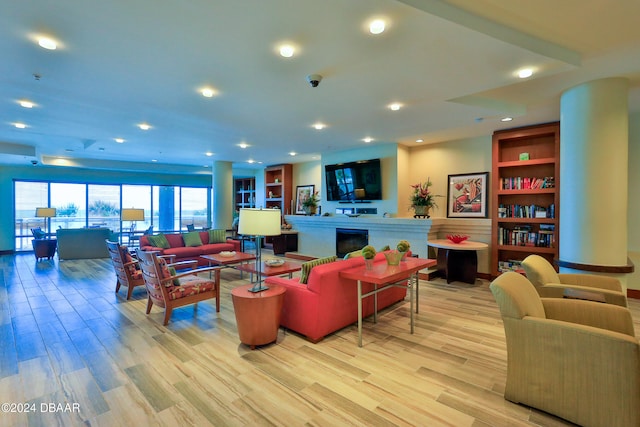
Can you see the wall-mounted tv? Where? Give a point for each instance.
(354, 181)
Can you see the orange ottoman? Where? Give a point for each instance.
(258, 314)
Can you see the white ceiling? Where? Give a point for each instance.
(451, 63)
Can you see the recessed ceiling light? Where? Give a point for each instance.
(154, 160)
(420, 140)
(525, 72)
(368, 139)
(376, 26)
(47, 43)
(20, 125)
(395, 106)
(119, 140)
(208, 154)
(292, 153)
(26, 104)
(506, 119)
(287, 50)
(318, 126)
(207, 92)
(243, 145)
(251, 161)
(144, 126)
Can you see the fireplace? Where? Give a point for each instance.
(349, 240)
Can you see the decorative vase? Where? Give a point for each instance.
(404, 256)
(368, 264)
(393, 257)
(421, 211)
(309, 210)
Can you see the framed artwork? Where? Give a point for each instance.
(467, 195)
(303, 192)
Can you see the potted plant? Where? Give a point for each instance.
(368, 253)
(310, 204)
(422, 200)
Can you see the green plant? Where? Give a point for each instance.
(311, 201)
(68, 210)
(368, 252)
(403, 246)
(102, 208)
(421, 195)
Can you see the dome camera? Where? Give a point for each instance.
(314, 79)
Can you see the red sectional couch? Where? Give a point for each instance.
(183, 253)
(328, 302)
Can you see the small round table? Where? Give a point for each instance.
(258, 314)
(458, 261)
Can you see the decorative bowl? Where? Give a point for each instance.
(274, 262)
(227, 254)
(457, 238)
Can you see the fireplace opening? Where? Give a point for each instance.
(349, 240)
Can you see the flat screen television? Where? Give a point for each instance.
(354, 181)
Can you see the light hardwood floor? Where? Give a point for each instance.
(66, 337)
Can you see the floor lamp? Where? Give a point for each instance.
(47, 214)
(132, 215)
(259, 223)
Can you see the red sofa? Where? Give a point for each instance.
(183, 253)
(327, 302)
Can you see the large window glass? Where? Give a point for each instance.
(166, 208)
(70, 201)
(104, 206)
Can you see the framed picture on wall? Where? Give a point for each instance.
(303, 192)
(467, 195)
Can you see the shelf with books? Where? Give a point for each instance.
(525, 196)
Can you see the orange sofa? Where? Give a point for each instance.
(328, 302)
(183, 253)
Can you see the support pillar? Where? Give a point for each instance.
(594, 135)
(222, 186)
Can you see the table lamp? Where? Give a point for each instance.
(132, 215)
(259, 223)
(47, 214)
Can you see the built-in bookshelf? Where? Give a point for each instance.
(245, 193)
(278, 191)
(525, 195)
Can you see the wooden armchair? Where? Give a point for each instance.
(550, 284)
(169, 289)
(126, 267)
(579, 360)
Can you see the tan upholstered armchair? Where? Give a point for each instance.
(579, 360)
(550, 284)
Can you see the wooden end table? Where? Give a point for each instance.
(458, 261)
(258, 314)
(289, 267)
(384, 276)
(228, 261)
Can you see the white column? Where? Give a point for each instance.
(222, 198)
(593, 173)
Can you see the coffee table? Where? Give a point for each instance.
(228, 261)
(384, 276)
(289, 267)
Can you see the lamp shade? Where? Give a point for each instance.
(45, 212)
(132, 214)
(259, 222)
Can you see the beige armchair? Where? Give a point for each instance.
(579, 360)
(550, 284)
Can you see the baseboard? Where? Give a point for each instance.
(633, 293)
(8, 252)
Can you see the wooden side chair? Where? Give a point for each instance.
(127, 270)
(169, 289)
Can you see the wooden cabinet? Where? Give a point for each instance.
(245, 193)
(277, 191)
(525, 199)
(286, 242)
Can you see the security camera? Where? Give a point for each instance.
(34, 162)
(314, 79)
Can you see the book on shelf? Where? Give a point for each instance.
(526, 211)
(525, 235)
(526, 183)
(510, 265)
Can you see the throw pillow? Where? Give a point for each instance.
(353, 254)
(38, 234)
(168, 271)
(217, 236)
(159, 241)
(192, 238)
(308, 266)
